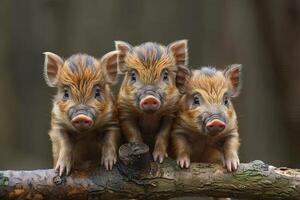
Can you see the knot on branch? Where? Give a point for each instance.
(134, 160)
(57, 180)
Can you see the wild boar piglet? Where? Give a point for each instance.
(84, 123)
(154, 73)
(206, 128)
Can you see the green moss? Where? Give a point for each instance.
(247, 175)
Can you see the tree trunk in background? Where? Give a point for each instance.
(7, 85)
(280, 27)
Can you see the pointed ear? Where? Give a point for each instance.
(233, 75)
(183, 74)
(123, 48)
(179, 49)
(110, 64)
(52, 63)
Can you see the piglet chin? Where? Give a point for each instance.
(150, 104)
(82, 122)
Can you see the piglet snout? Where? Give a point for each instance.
(150, 103)
(215, 126)
(82, 122)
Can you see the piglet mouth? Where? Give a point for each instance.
(150, 104)
(82, 122)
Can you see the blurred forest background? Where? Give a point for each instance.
(264, 36)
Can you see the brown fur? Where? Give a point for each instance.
(190, 142)
(72, 148)
(149, 60)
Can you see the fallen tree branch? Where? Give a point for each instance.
(136, 177)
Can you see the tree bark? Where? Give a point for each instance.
(136, 177)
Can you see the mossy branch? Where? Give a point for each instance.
(136, 177)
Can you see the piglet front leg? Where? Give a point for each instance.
(109, 149)
(162, 141)
(231, 160)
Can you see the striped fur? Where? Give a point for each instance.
(189, 140)
(149, 61)
(81, 73)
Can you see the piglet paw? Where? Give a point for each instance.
(184, 161)
(231, 162)
(63, 165)
(109, 159)
(159, 155)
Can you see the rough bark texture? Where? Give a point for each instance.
(136, 177)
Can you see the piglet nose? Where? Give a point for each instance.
(215, 126)
(82, 122)
(150, 103)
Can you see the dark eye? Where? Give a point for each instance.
(133, 76)
(165, 76)
(97, 93)
(66, 93)
(196, 101)
(226, 101)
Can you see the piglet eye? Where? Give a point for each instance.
(97, 93)
(66, 93)
(133, 76)
(165, 76)
(226, 101)
(196, 101)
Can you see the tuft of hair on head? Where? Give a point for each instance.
(80, 61)
(233, 74)
(208, 71)
(149, 52)
(52, 64)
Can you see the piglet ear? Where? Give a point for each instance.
(179, 49)
(183, 74)
(233, 75)
(123, 48)
(52, 63)
(110, 64)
